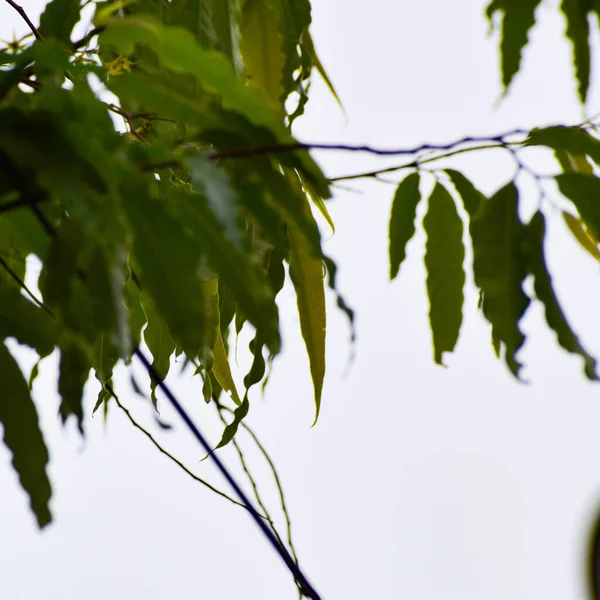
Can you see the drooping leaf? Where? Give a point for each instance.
(22, 436)
(159, 342)
(582, 235)
(499, 270)
(308, 277)
(230, 430)
(59, 18)
(261, 47)
(310, 48)
(518, 17)
(169, 258)
(74, 372)
(402, 220)
(583, 191)
(444, 258)
(222, 371)
(472, 198)
(577, 13)
(535, 234)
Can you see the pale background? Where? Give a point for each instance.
(418, 482)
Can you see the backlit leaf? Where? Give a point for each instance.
(307, 274)
(535, 232)
(222, 371)
(499, 270)
(23, 438)
(472, 198)
(444, 258)
(74, 372)
(261, 46)
(581, 234)
(573, 140)
(402, 220)
(59, 18)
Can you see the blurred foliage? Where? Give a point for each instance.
(173, 213)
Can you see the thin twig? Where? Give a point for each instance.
(27, 20)
(175, 460)
(85, 40)
(24, 287)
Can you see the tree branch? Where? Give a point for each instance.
(27, 20)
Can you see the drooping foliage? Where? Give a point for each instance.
(170, 214)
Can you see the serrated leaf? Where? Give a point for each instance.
(308, 276)
(402, 220)
(573, 140)
(499, 270)
(576, 14)
(261, 47)
(581, 234)
(59, 18)
(518, 18)
(74, 373)
(222, 371)
(535, 232)
(583, 191)
(444, 258)
(22, 436)
(472, 198)
(178, 50)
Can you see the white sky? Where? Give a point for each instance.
(418, 482)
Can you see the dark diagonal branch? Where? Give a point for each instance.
(27, 20)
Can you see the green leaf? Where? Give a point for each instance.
(222, 371)
(576, 14)
(444, 258)
(307, 274)
(310, 48)
(74, 372)
(573, 140)
(583, 191)
(59, 18)
(221, 197)
(22, 436)
(402, 220)
(535, 234)
(178, 50)
(231, 429)
(159, 342)
(581, 234)
(573, 163)
(472, 198)
(169, 259)
(499, 270)
(261, 47)
(225, 20)
(518, 19)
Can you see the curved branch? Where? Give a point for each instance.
(21, 11)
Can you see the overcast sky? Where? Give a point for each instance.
(418, 482)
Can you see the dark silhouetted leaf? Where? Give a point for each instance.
(240, 412)
(472, 198)
(573, 140)
(518, 18)
(535, 234)
(444, 258)
(59, 18)
(499, 269)
(23, 437)
(74, 372)
(402, 220)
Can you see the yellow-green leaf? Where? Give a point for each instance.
(307, 273)
(261, 47)
(222, 371)
(444, 258)
(582, 235)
